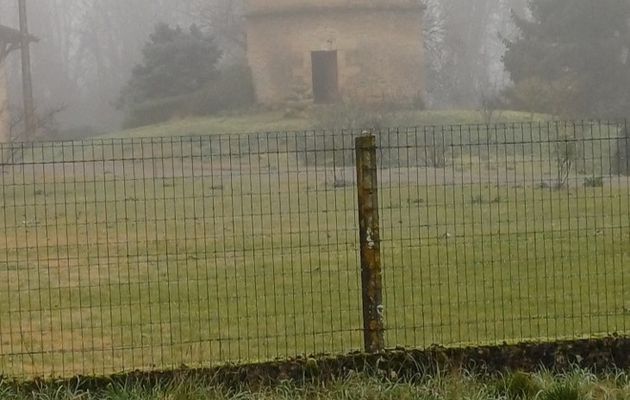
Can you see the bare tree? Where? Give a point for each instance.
(464, 42)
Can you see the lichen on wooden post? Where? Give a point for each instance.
(369, 233)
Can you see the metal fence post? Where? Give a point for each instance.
(369, 223)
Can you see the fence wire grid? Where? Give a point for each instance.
(152, 253)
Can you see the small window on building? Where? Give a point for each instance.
(325, 76)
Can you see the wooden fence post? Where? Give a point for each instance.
(369, 229)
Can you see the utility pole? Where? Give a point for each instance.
(30, 123)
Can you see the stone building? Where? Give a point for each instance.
(326, 50)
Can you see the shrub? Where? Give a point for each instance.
(565, 153)
(594, 182)
(337, 125)
(155, 111)
(233, 90)
(353, 116)
(520, 385)
(537, 95)
(340, 124)
(561, 392)
(175, 64)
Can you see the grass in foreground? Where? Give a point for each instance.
(576, 385)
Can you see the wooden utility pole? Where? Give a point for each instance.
(30, 123)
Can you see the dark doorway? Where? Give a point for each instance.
(325, 77)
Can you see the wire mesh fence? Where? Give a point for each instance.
(152, 253)
(518, 232)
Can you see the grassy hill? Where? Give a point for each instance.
(278, 121)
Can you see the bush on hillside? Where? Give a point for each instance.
(332, 144)
(233, 90)
(178, 77)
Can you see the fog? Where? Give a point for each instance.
(88, 48)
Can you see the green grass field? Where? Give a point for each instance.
(124, 255)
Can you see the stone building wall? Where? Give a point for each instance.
(379, 47)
